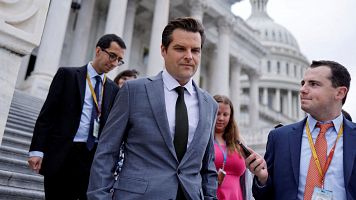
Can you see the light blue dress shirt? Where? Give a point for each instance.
(334, 178)
(83, 130)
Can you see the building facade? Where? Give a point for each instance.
(257, 63)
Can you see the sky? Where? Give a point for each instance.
(324, 29)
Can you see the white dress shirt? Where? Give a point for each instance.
(191, 101)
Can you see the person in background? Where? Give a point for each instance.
(167, 123)
(229, 160)
(299, 159)
(125, 75)
(71, 119)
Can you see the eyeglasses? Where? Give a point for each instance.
(113, 57)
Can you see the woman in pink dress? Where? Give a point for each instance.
(229, 161)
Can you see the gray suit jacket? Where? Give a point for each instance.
(151, 169)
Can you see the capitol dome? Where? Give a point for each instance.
(270, 33)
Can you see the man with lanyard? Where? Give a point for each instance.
(313, 159)
(69, 124)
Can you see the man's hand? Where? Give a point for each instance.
(257, 166)
(35, 163)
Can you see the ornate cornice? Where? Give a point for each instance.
(21, 24)
(225, 24)
(198, 4)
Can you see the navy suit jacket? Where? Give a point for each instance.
(60, 115)
(283, 162)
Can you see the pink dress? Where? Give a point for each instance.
(230, 188)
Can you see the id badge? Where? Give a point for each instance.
(322, 194)
(96, 128)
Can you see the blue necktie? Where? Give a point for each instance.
(94, 115)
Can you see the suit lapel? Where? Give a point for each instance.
(349, 139)
(295, 140)
(203, 118)
(155, 93)
(81, 80)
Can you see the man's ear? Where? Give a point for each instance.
(97, 51)
(341, 92)
(163, 50)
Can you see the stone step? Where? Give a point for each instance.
(15, 143)
(14, 165)
(18, 134)
(26, 103)
(24, 113)
(21, 122)
(13, 193)
(11, 152)
(23, 108)
(20, 180)
(15, 125)
(30, 117)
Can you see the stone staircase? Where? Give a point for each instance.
(17, 181)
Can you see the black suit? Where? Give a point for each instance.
(60, 116)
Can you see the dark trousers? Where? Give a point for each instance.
(71, 182)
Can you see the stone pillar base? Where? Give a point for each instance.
(37, 85)
(10, 65)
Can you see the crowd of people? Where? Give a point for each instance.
(163, 137)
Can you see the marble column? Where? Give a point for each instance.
(265, 96)
(235, 90)
(277, 103)
(115, 22)
(80, 42)
(253, 104)
(301, 113)
(289, 103)
(160, 20)
(129, 31)
(197, 9)
(50, 50)
(220, 72)
(22, 24)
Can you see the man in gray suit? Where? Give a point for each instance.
(168, 132)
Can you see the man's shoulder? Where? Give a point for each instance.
(286, 129)
(70, 70)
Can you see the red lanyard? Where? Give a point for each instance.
(323, 171)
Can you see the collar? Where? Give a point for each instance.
(172, 83)
(92, 72)
(337, 122)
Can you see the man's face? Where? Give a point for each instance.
(103, 63)
(122, 80)
(318, 97)
(182, 57)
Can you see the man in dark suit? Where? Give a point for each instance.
(300, 165)
(167, 123)
(71, 119)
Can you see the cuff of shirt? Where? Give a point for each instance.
(35, 153)
(258, 184)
